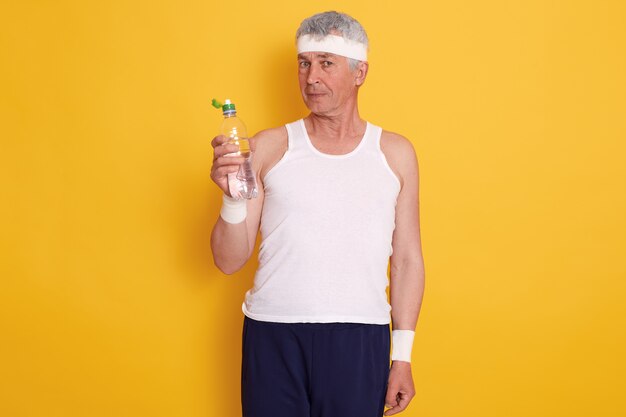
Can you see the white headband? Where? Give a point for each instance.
(334, 44)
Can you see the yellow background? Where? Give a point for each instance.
(110, 304)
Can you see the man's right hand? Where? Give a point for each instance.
(222, 164)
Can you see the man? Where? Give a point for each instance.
(337, 198)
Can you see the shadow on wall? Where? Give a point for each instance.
(281, 103)
(281, 92)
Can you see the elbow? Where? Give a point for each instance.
(226, 268)
(228, 258)
(229, 267)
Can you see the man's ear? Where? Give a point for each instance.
(360, 73)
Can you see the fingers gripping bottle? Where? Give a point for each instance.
(241, 184)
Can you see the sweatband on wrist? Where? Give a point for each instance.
(402, 344)
(233, 210)
(334, 44)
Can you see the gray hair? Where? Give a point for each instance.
(322, 24)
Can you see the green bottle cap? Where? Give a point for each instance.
(227, 107)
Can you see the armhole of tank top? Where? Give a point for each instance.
(284, 157)
(384, 159)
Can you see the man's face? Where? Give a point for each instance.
(326, 81)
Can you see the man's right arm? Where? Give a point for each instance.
(232, 243)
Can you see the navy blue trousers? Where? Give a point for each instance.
(314, 369)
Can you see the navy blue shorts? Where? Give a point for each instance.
(314, 369)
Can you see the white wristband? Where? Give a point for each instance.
(233, 210)
(402, 344)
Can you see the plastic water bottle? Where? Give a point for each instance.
(241, 184)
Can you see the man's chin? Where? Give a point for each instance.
(316, 108)
(320, 112)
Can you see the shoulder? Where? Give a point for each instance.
(395, 143)
(268, 146)
(400, 154)
(269, 141)
(268, 138)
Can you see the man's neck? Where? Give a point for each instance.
(340, 126)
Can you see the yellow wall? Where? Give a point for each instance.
(109, 302)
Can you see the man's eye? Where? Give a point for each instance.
(327, 63)
(304, 64)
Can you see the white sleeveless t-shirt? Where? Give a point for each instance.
(326, 233)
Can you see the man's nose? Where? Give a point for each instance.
(313, 75)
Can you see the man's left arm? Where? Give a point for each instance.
(407, 275)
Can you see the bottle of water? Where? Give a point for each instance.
(241, 184)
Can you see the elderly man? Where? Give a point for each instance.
(337, 200)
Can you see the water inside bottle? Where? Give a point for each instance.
(243, 183)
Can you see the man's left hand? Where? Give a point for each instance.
(400, 389)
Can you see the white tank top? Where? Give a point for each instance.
(326, 233)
